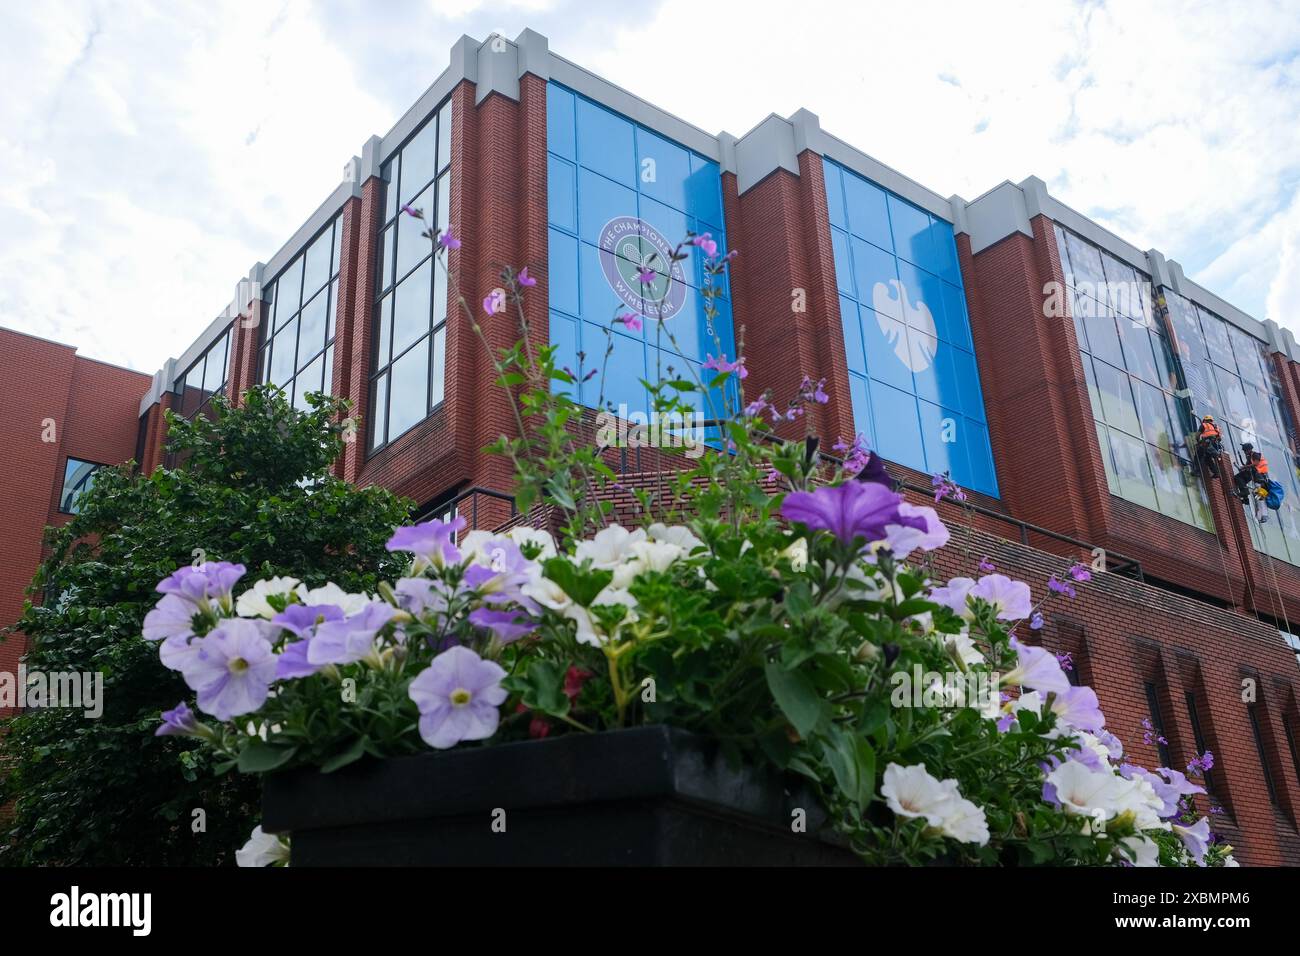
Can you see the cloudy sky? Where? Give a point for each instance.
(150, 153)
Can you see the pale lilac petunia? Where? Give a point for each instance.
(1079, 708)
(1196, 839)
(432, 542)
(850, 511)
(955, 595)
(351, 639)
(458, 695)
(1012, 599)
(233, 668)
(507, 625)
(292, 662)
(902, 540)
(1037, 669)
(301, 620)
(198, 584)
(172, 616)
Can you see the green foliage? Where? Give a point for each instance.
(255, 488)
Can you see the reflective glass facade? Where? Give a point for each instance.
(78, 477)
(410, 339)
(1142, 425)
(297, 351)
(620, 195)
(1230, 376)
(204, 378)
(912, 372)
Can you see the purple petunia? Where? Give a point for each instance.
(850, 511)
(1036, 669)
(201, 583)
(902, 540)
(508, 626)
(178, 722)
(458, 695)
(1012, 599)
(233, 668)
(432, 542)
(301, 620)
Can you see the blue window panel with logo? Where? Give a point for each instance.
(913, 377)
(601, 167)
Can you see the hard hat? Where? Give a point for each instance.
(1207, 418)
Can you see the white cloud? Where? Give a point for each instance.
(152, 153)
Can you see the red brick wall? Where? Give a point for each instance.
(92, 409)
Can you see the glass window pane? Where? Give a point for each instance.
(1138, 356)
(1117, 398)
(444, 201)
(309, 380)
(439, 293)
(411, 308)
(1234, 397)
(1085, 259)
(78, 478)
(409, 403)
(385, 335)
(316, 271)
(1134, 470)
(1103, 339)
(390, 173)
(378, 410)
(288, 293)
(419, 162)
(1153, 414)
(311, 335)
(212, 375)
(333, 310)
(438, 372)
(1216, 339)
(386, 258)
(1064, 253)
(327, 384)
(337, 244)
(444, 135)
(283, 354)
(412, 246)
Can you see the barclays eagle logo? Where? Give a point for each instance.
(895, 314)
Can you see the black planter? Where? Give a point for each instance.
(650, 796)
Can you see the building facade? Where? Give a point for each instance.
(1053, 370)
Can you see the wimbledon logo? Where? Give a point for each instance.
(894, 314)
(628, 245)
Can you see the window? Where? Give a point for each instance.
(1194, 716)
(913, 378)
(1262, 751)
(205, 378)
(78, 477)
(1293, 642)
(1158, 724)
(1230, 376)
(410, 340)
(1291, 744)
(297, 350)
(620, 196)
(1142, 424)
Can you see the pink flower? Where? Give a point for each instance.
(706, 244)
(720, 364)
(525, 279)
(492, 303)
(447, 240)
(646, 276)
(413, 213)
(631, 321)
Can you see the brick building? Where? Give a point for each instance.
(1052, 369)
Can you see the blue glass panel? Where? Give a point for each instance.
(956, 321)
(562, 272)
(843, 262)
(875, 275)
(868, 211)
(835, 195)
(673, 226)
(897, 426)
(601, 200)
(860, 393)
(564, 336)
(968, 383)
(884, 339)
(605, 143)
(621, 378)
(663, 169)
(559, 121)
(945, 250)
(561, 194)
(911, 228)
(853, 349)
(704, 193)
(979, 453)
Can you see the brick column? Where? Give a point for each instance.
(246, 336)
(361, 238)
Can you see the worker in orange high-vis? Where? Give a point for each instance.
(1254, 470)
(1209, 445)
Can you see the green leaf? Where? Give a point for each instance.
(798, 699)
(351, 755)
(579, 584)
(853, 763)
(261, 757)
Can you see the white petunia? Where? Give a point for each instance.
(962, 647)
(1147, 850)
(262, 849)
(1083, 791)
(534, 536)
(677, 534)
(333, 594)
(547, 593)
(589, 629)
(253, 603)
(913, 792)
(610, 547)
(965, 821)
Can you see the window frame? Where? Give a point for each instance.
(63, 488)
